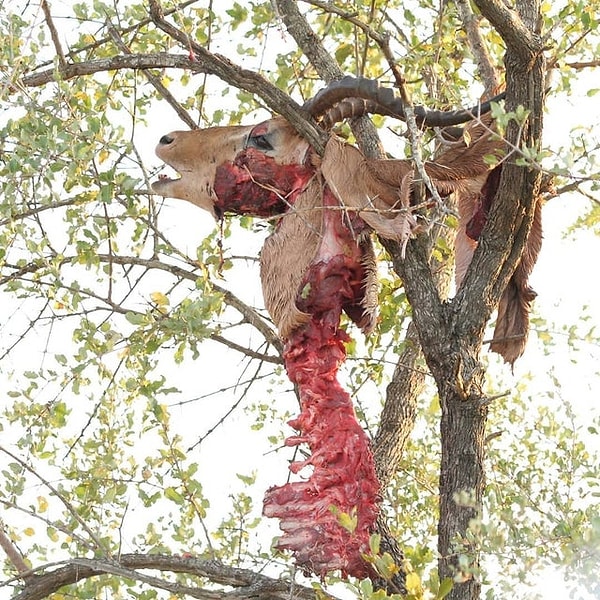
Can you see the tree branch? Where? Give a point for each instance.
(486, 69)
(247, 583)
(13, 554)
(509, 24)
(589, 64)
(277, 360)
(254, 83)
(399, 410)
(504, 236)
(62, 61)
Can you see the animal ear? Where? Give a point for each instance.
(365, 187)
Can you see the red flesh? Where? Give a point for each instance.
(343, 478)
(486, 197)
(254, 184)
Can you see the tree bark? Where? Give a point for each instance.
(400, 409)
(451, 332)
(462, 482)
(246, 583)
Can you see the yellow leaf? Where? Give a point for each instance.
(103, 155)
(29, 531)
(413, 583)
(348, 521)
(42, 504)
(159, 298)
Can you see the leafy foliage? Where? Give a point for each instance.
(144, 399)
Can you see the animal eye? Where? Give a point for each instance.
(260, 142)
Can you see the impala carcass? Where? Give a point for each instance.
(318, 263)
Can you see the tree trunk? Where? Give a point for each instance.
(462, 481)
(451, 332)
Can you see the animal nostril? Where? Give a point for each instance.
(165, 140)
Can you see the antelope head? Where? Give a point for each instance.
(197, 155)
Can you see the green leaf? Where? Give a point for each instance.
(172, 494)
(445, 588)
(135, 318)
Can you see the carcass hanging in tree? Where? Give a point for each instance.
(319, 262)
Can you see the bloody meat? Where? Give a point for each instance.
(326, 517)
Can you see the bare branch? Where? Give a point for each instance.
(247, 583)
(588, 64)
(488, 72)
(277, 360)
(160, 60)
(54, 34)
(13, 553)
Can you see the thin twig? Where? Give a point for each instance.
(54, 34)
(51, 524)
(99, 544)
(154, 81)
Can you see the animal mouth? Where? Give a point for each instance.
(164, 179)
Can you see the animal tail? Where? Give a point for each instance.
(512, 323)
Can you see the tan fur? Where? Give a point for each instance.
(374, 187)
(379, 190)
(286, 256)
(291, 249)
(370, 301)
(195, 155)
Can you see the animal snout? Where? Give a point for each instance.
(165, 140)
